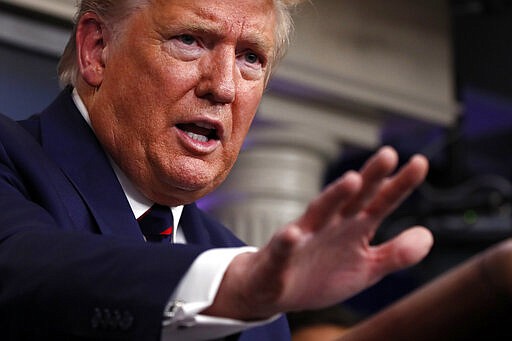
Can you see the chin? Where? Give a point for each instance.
(188, 192)
(187, 183)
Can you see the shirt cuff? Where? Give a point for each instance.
(196, 292)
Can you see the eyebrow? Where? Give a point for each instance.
(256, 41)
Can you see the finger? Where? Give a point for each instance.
(373, 173)
(406, 249)
(399, 187)
(328, 203)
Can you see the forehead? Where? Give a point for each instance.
(231, 19)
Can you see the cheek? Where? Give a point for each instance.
(244, 112)
(158, 76)
(170, 74)
(240, 131)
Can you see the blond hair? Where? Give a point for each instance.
(113, 12)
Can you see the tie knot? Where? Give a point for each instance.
(156, 223)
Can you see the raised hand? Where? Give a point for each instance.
(325, 256)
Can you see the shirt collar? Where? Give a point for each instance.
(138, 202)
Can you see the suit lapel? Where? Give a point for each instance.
(194, 227)
(69, 141)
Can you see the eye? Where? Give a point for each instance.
(187, 39)
(252, 58)
(185, 47)
(251, 64)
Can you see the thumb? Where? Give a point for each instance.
(282, 244)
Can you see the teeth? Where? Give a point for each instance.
(204, 125)
(197, 137)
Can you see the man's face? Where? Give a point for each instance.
(181, 85)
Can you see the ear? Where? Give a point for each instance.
(91, 39)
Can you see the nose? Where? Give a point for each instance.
(217, 81)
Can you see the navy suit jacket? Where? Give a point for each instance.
(73, 263)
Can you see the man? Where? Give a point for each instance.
(159, 97)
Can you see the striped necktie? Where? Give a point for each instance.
(156, 224)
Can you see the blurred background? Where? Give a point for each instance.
(431, 77)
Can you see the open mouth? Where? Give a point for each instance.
(202, 132)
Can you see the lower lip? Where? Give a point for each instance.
(196, 146)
